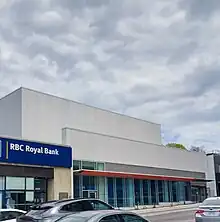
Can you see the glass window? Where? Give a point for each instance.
(2, 183)
(100, 166)
(30, 183)
(132, 218)
(111, 191)
(15, 183)
(40, 184)
(98, 205)
(29, 196)
(88, 165)
(112, 218)
(119, 192)
(146, 193)
(77, 206)
(76, 164)
(137, 190)
(161, 190)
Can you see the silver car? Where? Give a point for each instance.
(209, 211)
(102, 216)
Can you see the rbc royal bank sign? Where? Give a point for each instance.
(34, 153)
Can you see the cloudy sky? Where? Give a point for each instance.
(154, 59)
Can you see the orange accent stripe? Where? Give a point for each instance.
(132, 175)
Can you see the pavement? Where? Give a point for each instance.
(182, 213)
(183, 216)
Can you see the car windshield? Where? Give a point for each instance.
(211, 202)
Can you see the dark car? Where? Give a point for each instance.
(53, 210)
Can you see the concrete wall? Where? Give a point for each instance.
(210, 175)
(90, 146)
(44, 116)
(10, 115)
(61, 183)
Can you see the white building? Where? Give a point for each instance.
(117, 158)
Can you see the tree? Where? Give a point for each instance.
(176, 145)
(199, 149)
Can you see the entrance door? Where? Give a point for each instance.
(89, 193)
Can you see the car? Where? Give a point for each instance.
(102, 216)
(209, 210)
(10, 215)
(56, 209)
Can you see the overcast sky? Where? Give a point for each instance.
(154, 59)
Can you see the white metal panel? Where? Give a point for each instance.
(88, 146)
(210, 175)
(44, 116)
(10, 115)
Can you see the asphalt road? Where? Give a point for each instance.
(184, 216)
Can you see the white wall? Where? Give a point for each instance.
(210, 175)
(88, 146)
(44, 116)
(10, 115)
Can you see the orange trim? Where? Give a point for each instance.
(132, 175)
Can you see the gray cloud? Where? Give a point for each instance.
(157, 60)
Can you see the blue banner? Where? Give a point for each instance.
(34, 153)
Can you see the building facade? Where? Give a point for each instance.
(116, 158)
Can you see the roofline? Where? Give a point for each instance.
(83, 104)
(131, 175)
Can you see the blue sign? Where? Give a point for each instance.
(34, 153)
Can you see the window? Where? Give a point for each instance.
(132, 218)
(29, 183)
(112, 218)
(100, 166)
(15, 183)
(76, 164)
(98, 205)
(9, 215)
(77, 206)
(88, 165)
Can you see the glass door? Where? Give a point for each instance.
(15, 199)
(89, 194)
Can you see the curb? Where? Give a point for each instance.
(166, 209)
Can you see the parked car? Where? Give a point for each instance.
(102, 216)
(10, 215)
(53, 210)
(209, 210)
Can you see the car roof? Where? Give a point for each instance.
(213, 198)
(55, 203)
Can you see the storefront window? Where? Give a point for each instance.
(100, 166)
(29, 183)
(88, 165)
(2, 183)
(40, 184)
(15, 183)
(76, 164)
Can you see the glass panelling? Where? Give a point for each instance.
(146, 192)
(76, 186)
(101, 188)
(119, 192)
(137, 190)
(88, 165)
(15, 199)
(153, 192)
(174, 191)
(29, 183)
(89, 183)
(166, 192)
(2, 183)
(161, 190)
(15, 183)
(129, 193)
(100, 166)
(76, 164)
(111, 191)
(40, 184)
